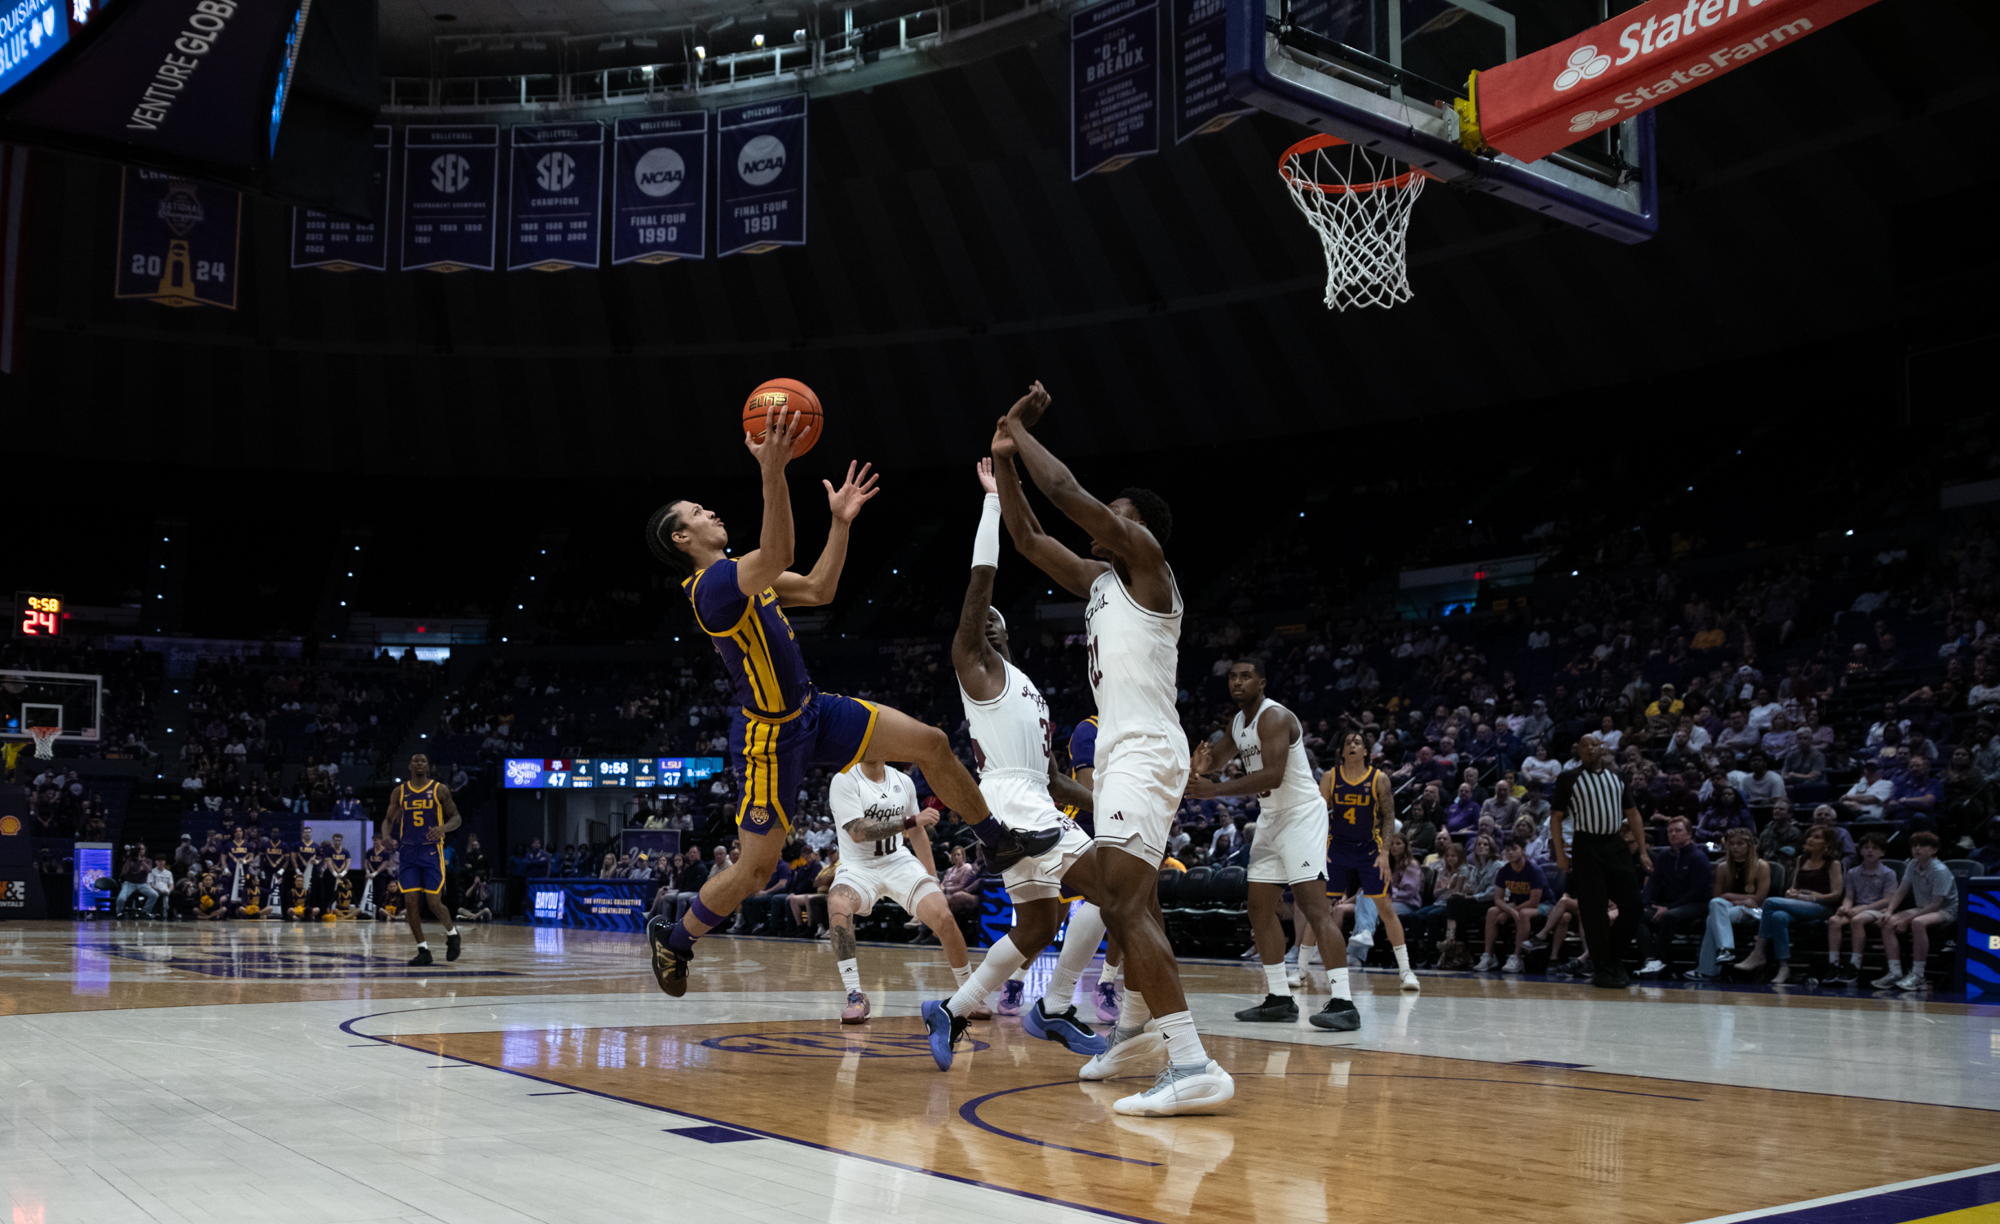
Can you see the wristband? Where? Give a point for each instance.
(909, 822)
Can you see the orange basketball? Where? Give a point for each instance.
(781, 393)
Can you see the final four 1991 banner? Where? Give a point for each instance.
(760, 181)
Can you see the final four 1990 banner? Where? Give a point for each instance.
(760, 181)
(451, 178)
(659, 202)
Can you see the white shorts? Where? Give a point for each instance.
(1136, 790)
(900, 877)
(1023, 804)
(1290, 845)
(1033, 879)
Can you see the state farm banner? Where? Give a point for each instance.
(760, 180)
(555, 195)
(342, 244)
(178, 240)
(660, 193)
(451, 178)
(1555, 97)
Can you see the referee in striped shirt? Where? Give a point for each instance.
(1599, 864)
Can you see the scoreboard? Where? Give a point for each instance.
(599, 773)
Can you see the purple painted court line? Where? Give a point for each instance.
(711, 1134)
(1898, 1203)
(1543, 1062)
(970, 1112)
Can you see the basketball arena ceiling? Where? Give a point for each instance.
(1820, 210)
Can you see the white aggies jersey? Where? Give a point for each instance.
(853, 797)
(1010, 734)
(1133, 653)
(1296, 788)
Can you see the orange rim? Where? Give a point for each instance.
(1324, 140)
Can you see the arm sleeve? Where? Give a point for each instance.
(986, 541)
(718, 603)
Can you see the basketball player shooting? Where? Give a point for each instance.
(1133, 621)
(1009, 721)
(783, 725)
(421, 813)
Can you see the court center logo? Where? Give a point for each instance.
(450, 173)
(1583, 121)
(1584, 64)
(555, 171)
(761, 160)
(660, 172)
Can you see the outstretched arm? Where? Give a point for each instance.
(1122, 537)
(1274, 743)
(1073, 573)
(812, 590)
(980, 670)
(760, 567)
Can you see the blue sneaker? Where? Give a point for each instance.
(944, 1029)
(1063, 1028)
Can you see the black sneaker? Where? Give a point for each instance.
(1848, 974)
(1276, 1009)
(1340, 1015)
(423, 957)
(670, 968)
(1014, 846)
(451, 946)
(1610, 979)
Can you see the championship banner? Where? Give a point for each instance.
(339, 244)
(662, 188)
(1534, 105)
(1114, 85)
(1202, 101)
(555, 195)
(177, 240)
(451, 183)
(760, 185)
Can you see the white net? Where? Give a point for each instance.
(1359, 204)
(45, 741)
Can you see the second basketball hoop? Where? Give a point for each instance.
(1359, 203)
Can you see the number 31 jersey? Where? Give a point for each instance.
(1010, 734)
(853, 797)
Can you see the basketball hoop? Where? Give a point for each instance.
(45, 741)
(1360, 207)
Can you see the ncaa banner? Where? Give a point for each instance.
(1202, 101)
(341, 244)
(177, 240)
(662, 186)
(760, 181)
(555, 195)
(451, 182)
(1114, 86)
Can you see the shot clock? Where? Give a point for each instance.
(40, 615)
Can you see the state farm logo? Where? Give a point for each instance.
(1583, 121)
(1584, 64)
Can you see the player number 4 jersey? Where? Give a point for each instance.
(1133, 656)
(1296, 788)
(853, 797)
(1010, 734)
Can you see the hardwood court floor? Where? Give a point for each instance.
(229, 1070)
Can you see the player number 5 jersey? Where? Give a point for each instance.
(1133, 654)
(853, 797)
(1010, 734)
(1296, 788)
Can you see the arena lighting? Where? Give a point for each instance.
(756, 40)
(798, 36)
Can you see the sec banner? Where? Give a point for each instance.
(341, 244)
(662, 187)
(177, 240)
(451, 178)
(760, 181)
(1114, 78)
(555, 195)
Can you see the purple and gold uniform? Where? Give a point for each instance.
(1082, 756)
(782, 724)
(419, 829)
(1352, 841)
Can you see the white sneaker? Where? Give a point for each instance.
(1913, 980)
(1181, 1090)
(1131, 1056)
(1294, 977)
(1655, 965)
(1514, 965)
(1366, 939)
(1410, 981)
(1485, 963)
(1888, 981)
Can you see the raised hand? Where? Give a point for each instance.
(926, 817)
(986, 476)
(1004, 446)
(855, 492)
(1030, 407)
(781, 433)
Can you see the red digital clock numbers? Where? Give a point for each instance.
(41, 615)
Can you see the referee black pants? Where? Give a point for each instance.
(1601, 873)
